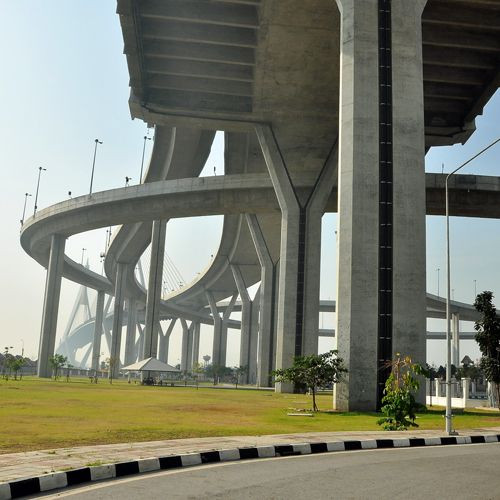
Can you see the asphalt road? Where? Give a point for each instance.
(470, 471)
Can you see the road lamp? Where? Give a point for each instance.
(37, 188)
(24, 209)
(448, 416)
(475, 289)
(146, 138)
(97, 141)
(438, 278)
(83, 254)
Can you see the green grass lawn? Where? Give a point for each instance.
(39, 414)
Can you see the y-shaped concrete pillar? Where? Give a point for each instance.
(96, 344)
(116, 333)
(298, 300)
(267, 303)
(220, 329)
(381, 244)
(51, 305)
(164, 342)
(154, 288)
(130, 354)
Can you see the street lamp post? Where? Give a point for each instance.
(97, 141)
(475, 289)
(37, 188)
(448, 416)
(146, 138)
(83, 254)
(24, 209)
(438, 278)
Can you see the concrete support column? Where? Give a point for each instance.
(96, 344)
(154, 288)
(254, 340)
(225, 319)
(409, 200)
(116, 333)
(381, 244)
(455, 334)
(267, 303)
(246, 318)
(195, 351)
(298, 300)
(140, 345)
(290, 319)
(130, 353)
(184, 345)
(51, 305)
(165, 341)
(216, 344)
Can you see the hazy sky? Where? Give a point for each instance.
(65, 82)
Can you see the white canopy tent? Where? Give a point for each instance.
(150, 365)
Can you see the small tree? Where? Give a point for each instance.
(68, 368)
(238, 372)
(110, 365)
(197, 371)
(399, 403)
(313, 371)
(57, 361)
(488, 339)
(16, 365)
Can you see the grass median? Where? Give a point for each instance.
(40, 414)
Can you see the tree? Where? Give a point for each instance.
(399, 403)
(16, 365)
(313, 371)
(68, 368)
(197, 370)
(57, 361)
(110, 365)
(238, 371)
(488, 339)
(217, 372)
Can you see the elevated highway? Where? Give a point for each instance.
(273, 76)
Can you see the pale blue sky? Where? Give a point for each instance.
(65, 82)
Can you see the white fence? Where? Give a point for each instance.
(463, 394)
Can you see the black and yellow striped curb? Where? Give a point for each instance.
(34, 485)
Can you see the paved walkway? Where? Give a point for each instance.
(35, 463)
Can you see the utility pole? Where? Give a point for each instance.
(97, 141)
(24, 209)
(146, 138)
(37, 188)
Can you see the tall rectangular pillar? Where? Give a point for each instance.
(116, 333)
(154, 289)
(265, 353)
(381, 244)
(130, 353)
(409, 200)
(51, 305)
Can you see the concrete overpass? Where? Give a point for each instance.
(273, 75)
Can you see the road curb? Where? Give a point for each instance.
(57, 480)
